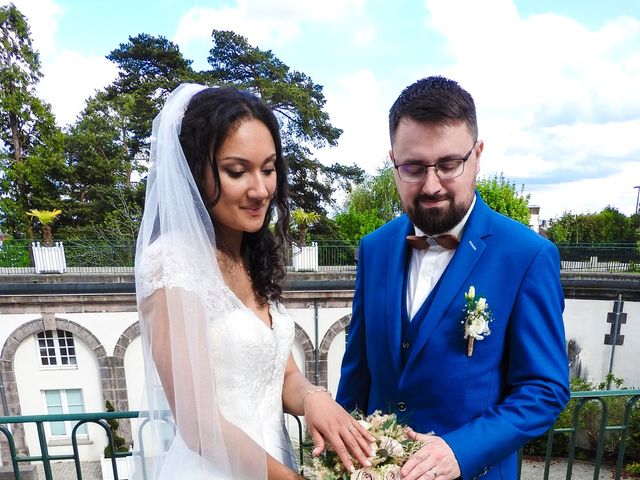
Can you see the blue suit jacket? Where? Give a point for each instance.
(516, 382)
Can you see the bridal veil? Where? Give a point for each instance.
(180, 291)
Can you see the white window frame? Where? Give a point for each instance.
(83, 432)
(56, 339)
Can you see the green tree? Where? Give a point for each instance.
(299, 104)
(150, 68)
(369, 205)
(98, 155)
(32, 168)
(354, 225)
(607, 226)
(504, 197)
(107, 147)
(377, 193)
(613, 226)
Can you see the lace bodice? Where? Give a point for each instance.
(249, 360)
(248, 357)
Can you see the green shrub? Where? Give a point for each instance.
(633, 469)
(15, 253)
(589, 425)
(632, 449)
(119, 442)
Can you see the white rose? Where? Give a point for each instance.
(477, 328)
(391, 472)
(367, 473)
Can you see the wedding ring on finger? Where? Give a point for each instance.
(434, 472)
(350, 428)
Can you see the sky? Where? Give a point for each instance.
(556, 84)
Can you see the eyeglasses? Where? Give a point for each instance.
(445, 169)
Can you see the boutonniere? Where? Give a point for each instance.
(477, 317)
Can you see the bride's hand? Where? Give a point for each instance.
(326, 420)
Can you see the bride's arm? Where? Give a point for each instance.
(170, 349)
(325, 418)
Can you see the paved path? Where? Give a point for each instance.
(531, 470)
(67, 471)
(534, 470)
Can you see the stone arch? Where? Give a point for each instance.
(325, 344)
(120, 396)
(118, 379)
(309, 352)
(109, 381)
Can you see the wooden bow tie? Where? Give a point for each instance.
(422, 243)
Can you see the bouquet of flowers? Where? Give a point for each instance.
(392, 446)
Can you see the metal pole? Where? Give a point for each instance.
(637, 187)
(316, 320)
(614, 339)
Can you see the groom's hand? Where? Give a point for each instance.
(434, 460)
(328, 421)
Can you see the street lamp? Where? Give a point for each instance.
(637, 187)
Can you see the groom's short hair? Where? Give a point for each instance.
(434, 100)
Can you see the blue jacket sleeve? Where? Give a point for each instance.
(355, 379)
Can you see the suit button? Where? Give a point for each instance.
(405, 345)
(401, 406)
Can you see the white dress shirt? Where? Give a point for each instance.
(427, 266)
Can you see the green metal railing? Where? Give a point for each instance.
(45, 457)
(332, 255)
(579, 402)
(602, 398)
(99, 418)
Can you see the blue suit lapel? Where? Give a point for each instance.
(467, 254)
(394, 281)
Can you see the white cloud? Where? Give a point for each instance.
(589, 195)
(365, 35)
(358, 104)
(70, 78)
(554, 98)
(270, 23)
(197, 24)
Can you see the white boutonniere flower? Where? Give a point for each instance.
(477, 318)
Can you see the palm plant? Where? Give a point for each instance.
(304, 220)
(45, 217)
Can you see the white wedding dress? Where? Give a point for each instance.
(248, 358)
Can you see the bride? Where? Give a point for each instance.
(216, 340)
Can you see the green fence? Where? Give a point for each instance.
(78, 253)
(331, 255)
(615, 412)
(603, 257)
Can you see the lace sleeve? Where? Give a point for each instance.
(168, 263)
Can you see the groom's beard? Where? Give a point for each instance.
(437, 220)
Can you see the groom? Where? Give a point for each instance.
(485, 389)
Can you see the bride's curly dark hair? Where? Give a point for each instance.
(209, 117)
